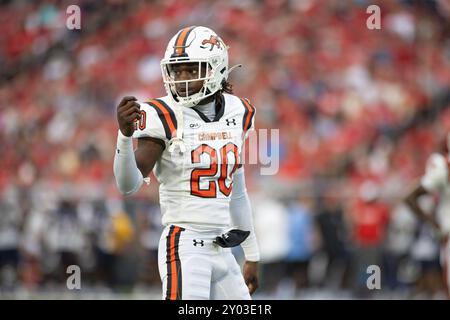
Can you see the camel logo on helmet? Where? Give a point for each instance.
(213, 41)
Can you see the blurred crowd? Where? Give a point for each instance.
(358, 113)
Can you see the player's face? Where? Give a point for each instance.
(188, 71)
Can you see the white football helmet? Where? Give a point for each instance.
(198, 45)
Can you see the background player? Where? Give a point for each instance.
(436, 181)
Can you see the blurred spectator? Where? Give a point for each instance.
(303, 241)
(399, 240)
(369, 219)
(272, 230)
(10, 233)
(335, 242)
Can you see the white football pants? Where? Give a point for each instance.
(191, 267)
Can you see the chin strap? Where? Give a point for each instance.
(177, 141)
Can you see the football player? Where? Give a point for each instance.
(436, 181)
(192, 139)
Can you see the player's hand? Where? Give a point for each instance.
(250, 273)
(128, 112)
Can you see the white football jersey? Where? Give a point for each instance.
(436, 180)
(195, 186)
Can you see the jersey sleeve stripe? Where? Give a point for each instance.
(248, 114)
(167, 117)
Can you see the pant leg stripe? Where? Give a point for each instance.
(174, 279)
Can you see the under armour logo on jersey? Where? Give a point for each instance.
(201, 243)
(230, 121)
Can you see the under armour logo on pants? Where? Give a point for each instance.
(201, 243)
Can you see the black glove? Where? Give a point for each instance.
(232, 238)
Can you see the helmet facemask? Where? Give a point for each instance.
(206, 70)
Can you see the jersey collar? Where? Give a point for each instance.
(220, 108)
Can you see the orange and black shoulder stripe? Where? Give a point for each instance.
(179, 49)
(166, 115)
(174, 274)
(249, 113)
